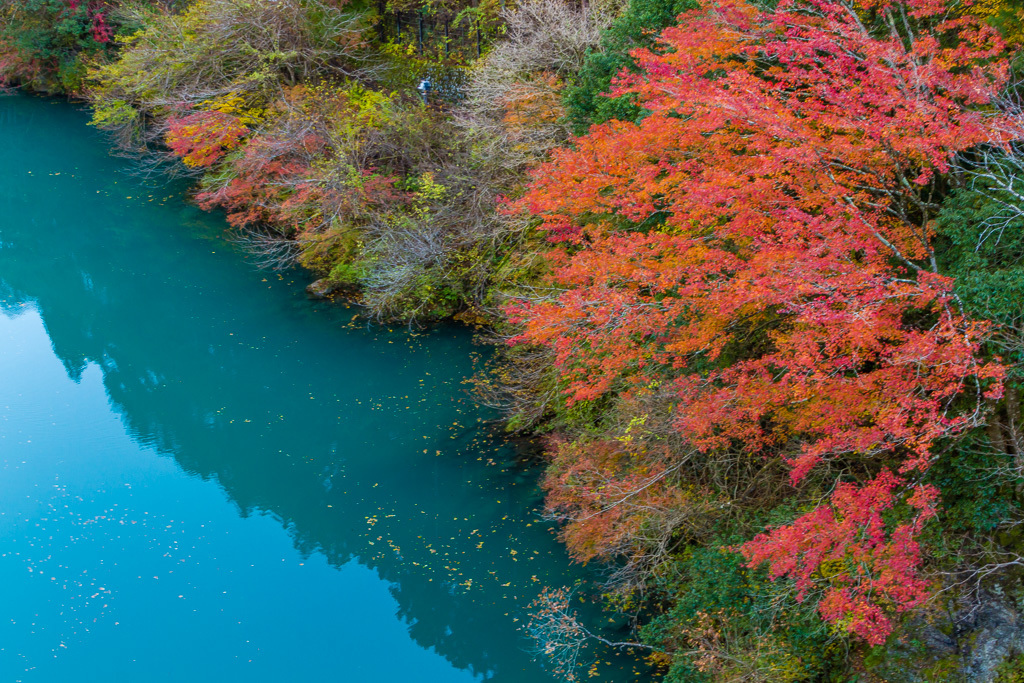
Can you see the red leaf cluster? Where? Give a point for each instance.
(868, 567)
(202, 138)
(274, 184)
(270, 186)
(99, 29)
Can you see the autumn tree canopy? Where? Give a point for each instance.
(760, 246)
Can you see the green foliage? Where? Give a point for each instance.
(48, 41)
(331, 253)
(982, 231)
(1007, 16)
(727, 622)
(71, 74)
(974, 497)
(113, 114)
(639, 25)
(1010, 671)
(582, 415)
(981, 244)
(909, 660)
(47, 29)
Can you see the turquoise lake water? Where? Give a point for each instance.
(204, 476)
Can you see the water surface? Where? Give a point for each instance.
(206, 477)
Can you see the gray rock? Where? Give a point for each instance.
(968, 643)
(934, 640)
(322, 288)
(997, 635)
(922, 652)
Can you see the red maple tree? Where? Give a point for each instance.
(761, 241)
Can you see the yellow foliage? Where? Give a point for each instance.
(349, 107)
(1005, 15)
(538, 101)
(235, 104)
(428, 192)
(634, 424)
(372, 106)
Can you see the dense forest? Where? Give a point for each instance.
(751, 268)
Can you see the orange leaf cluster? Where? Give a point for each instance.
(202, 138)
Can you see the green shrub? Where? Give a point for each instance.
(639, 25)
(729, 622)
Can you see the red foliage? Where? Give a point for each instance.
(202, 138)
(15, 66)
(101, 30)
(867, 566)
(270, 184)
(782, 276)
(275, 185)
(616, 491)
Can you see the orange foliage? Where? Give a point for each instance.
(530, 104)
(761, 240)
(202, 138)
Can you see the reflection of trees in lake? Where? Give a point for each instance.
(363, 444)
